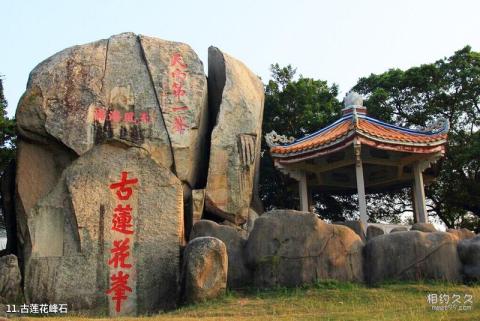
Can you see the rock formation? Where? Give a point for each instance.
(469, 252)
(412, 256)
(290, 248)
(374, 231)
(357, 226)
(236, 101)
(205, 269)
(462, 233)
(113, 212)
(235, 240)
(129, 108)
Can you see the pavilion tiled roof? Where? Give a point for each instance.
(368, 131)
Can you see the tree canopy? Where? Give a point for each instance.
(7, 132)
(448, 88)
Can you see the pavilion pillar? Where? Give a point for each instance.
(303, 191)
(362, 204)
(419, 194)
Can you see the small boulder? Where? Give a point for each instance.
(204, 269)
(235, 240)
(462, 233)
(10, 280)
(290, 248)
(423, 227)
(412, 256)
(374, 231)
(399, 229)
(469, 252)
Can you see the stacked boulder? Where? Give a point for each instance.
(115, 137)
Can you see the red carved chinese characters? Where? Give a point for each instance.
(116, 116)
(122, 219)
(178, 73)
(119, 287)
(122, 222)
(120, 253)
(179, 124)
(124, 192)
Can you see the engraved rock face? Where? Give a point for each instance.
(148, 91)
(90, 230)
(236, 97)
(132, 105)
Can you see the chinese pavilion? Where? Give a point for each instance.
(358, 153)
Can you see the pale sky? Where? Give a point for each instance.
(337, 41)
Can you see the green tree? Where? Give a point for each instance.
(7, 137)
(294, 107)
(7, 132)
(448, 88)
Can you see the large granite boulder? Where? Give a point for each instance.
(39, 166)
(204, 269)
(149, 92)
(112, 223)
(290, 248)
(235, 240)
(145, 90)
(236, 101)
(412, 256)
(10, 280)
(469, 252)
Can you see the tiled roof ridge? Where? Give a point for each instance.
(354, 117)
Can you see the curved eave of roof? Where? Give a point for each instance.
(370, 131)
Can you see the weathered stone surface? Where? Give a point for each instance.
(205, 269)
(412, 256)
(252, 216)
(235, 240)
(462, 233)
(198, 203)
(399, 229)
(10, 279)
(290, 248)
(236, 100)
(150, 92)
(357, 226)
(72, 234)
(469, 252)
(181, 85)
(423, 227)
(38, 169)
(374, 231)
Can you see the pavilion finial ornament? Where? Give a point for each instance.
(353, 99)
(439, 125)
(274, 139)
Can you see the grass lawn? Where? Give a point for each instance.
(325, 301)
